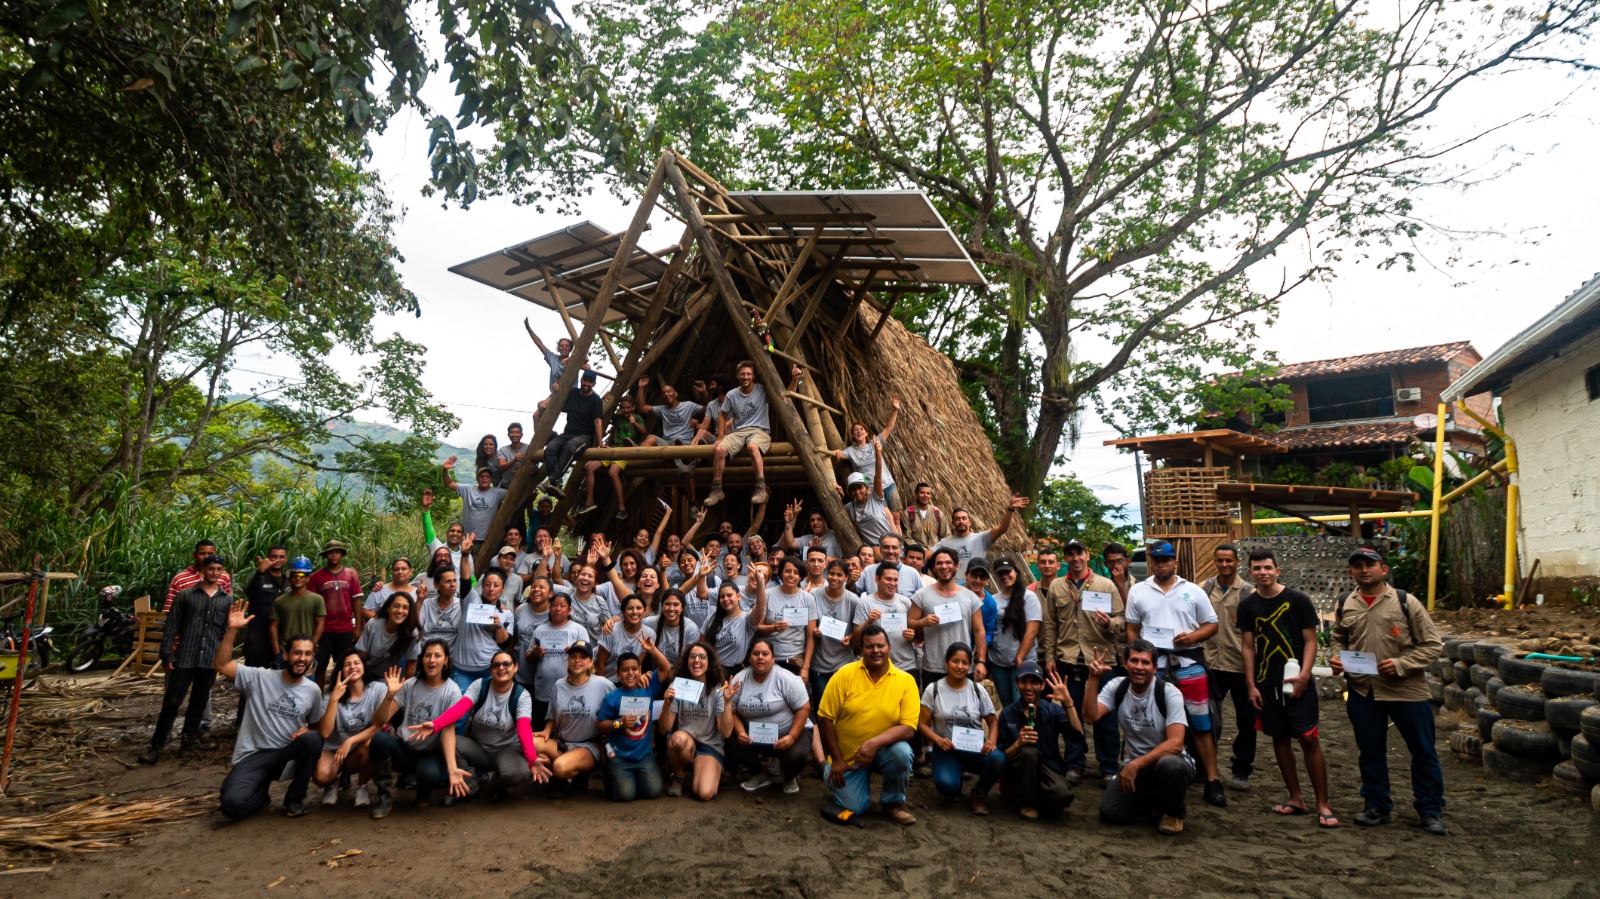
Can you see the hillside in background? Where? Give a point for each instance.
(347, 433)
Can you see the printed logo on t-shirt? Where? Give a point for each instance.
(285, 706)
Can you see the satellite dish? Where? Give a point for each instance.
(1427, 421)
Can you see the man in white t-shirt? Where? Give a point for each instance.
(1177, 617)
(968, 543)
(1151, 714)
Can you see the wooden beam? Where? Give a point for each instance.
(813, 305)
(808, 398)
(551, 282)
(611, 351)
(888, 310)
(817, 473)
(669, 453)
(522, 484)
(799, 218)
(787, 288)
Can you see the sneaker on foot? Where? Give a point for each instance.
(150, 756)
(1214, 796)
(1074, 777)
(550, 487)
(980, 803)
(383, 806)
(716, 496)
(585, 509)
(792, 785)
(330, 795)
(363, 796)
(1029, 813)
(760, 496)
(1435, 825)
(622, 514)
(758, 782)
(1170, 826)
(294, 808)
(674, 787)
(1372, 816)
(1239, 784)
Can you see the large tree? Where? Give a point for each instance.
(1130, 174)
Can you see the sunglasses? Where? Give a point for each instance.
(498, 665)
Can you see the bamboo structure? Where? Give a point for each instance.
(782, 286)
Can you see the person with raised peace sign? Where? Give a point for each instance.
(348, 727)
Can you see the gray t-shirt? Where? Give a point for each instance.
(475, 646)
(966, 707)
(505, 455)
(829, 655)
(574, 708)
(672, 640)
(747, 411)
(443, 623)
(554, 640)
(976, 543)
(733, 639)
(424, 703)
(675, 426)
(901, 652)
(700, 610)
(378, 644)
(699, 720)
(868, 517)
(1003, 647)
(494, 724)
(1143, 729)
(353, 716)
(910, 580)
(558, 366)
(478, 507)
(276, 709)
(938, 637)
(620, 641)
(826, 540)
(789, 643)
(774, 701)
(864, 460)
(590, 614)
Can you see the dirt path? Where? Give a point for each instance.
(1509, 839)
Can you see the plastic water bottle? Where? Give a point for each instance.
(1291, 670)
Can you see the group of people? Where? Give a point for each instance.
(684, 663)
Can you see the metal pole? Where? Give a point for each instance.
(1433, 521)
(1512, 492)
(36, 575)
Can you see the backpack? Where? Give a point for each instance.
(1405, 610)
(483, 696)
(1157, 683)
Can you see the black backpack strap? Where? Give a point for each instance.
(1155, 683)
(1405, 611)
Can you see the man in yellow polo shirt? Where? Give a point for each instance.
(868, 715)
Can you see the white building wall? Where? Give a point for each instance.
(1557, 429)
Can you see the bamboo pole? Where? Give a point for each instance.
(669, 453)
(817, 472)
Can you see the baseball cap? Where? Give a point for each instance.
(1030, 669)
(580, 647)
(978, 564)
(301, 564)
(1161, 550)
(590, 376)
(855, 478)
(1002, 566)
(1074, 543)
(1366, 554)
(506, 551)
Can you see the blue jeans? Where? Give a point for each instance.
(629, 779)
(893, 762)
(1370, 718)
(427, 766)
(949, 766)
(1005, 683)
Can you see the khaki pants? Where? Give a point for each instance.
(744, 437)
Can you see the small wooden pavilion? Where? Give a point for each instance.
(781, 279)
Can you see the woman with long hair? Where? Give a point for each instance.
(498, 737)
(476, 643)
(631, 635)
(432, 760)
(863, 456)
(789, 618)
(400, 574)
(731, 628)
(488, 453)
(649, 588)
(696, 731)
(1016, 636)
(391, 640)
(699, 589)
(543, 648)
(772, 712)
(833, 601)
(673, 629)
(954, 707)
(348, 728)
(570, 741)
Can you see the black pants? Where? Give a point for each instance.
(244, 790)
(1159, 788)
(329, 649)
(196, 682)
(558, 454)
(791, 761)
(1234, 687)
(1037, 785)
(1107, 740)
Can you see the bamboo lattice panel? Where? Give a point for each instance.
(1184, 501)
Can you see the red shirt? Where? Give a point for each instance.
(187, 578)
(339, 592)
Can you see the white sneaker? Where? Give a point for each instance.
(792, 785)
(363, 796)
(330, 795)
(758, 782)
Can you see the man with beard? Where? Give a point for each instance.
(968, 543)
(279, 725)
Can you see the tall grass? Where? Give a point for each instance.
(142, 544)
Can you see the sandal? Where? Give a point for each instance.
(1285, 808)
(1327, 822)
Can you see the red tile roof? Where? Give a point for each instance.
(1442, 352)
(1343, 436)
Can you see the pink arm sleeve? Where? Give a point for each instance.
(453, 714)
(525, 734)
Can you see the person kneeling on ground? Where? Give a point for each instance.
(771, 714)
(347, 728)
(498, 738)
(431, 759)
(1032, 732)
(277, 725)
(631, 769)
(1158, 771)
(868, 716)
(697, 729)
(958, 722)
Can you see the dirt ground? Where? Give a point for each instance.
(1509, 839)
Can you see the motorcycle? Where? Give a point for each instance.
(41, 644)
(115, 629)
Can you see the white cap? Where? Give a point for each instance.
(855, 478)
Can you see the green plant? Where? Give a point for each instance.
(1395, 471)
(1337, 474)
(1289, 473)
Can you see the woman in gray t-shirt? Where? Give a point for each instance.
(697, 729)
(730, 629)
(348, 728)
(570, 740)
(771, 709)
(421, 698)
(955, 709)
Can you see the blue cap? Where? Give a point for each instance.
(1161, 550)
(1030, 669)
(301, 564)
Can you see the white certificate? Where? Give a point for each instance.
(766, 732)
(948, 612)
(655, 710)
(1160, 636)
(967, 739)
(893, 622)
(687, 690)
(556, 642)
(797, 616)
(634, 706)
(1095, 601)
(481, 612)
(832, 628)
(1359, 662)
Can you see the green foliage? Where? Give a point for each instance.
(1066, 508)
(400, 470)
(1337, 474)
(1289, 473)
(1212, 402)
(1396, 471)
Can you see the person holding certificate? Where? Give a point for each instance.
(958, 723)
(544, 653)
(485, 625)
(1392, 638)
(1083, 618)
(771, 715)
(697, 716)
(625, 719)
(789, 616)
(836, 614)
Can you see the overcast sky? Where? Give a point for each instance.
(1539, 247)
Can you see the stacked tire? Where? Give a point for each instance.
(1532, 717)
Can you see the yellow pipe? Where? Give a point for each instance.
(1365, 516)
(1513, 496)
(1433, 527)
(1451, 496)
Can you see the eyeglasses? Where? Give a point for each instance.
(498, 665)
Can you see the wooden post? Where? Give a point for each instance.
(817, 473)
(522, 483)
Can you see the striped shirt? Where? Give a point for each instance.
(187, 578)
(196, 623)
